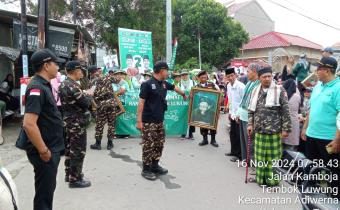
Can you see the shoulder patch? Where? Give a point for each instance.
(35, 92)
(153, 86)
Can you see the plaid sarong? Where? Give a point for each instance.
(268, 147)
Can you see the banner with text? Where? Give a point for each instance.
(135, 51)
(176, 117)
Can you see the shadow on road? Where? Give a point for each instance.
(166, 179)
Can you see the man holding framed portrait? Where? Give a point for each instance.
(204, 108)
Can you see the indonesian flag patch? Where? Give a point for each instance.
(35, 92)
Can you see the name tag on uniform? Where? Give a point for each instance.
(153, 86)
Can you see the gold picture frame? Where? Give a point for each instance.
(204, 108)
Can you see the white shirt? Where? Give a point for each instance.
(235, 95)
(186, 85)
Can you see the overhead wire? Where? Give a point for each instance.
(306, 16)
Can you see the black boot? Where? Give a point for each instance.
(97, 145)
(148, 174)
(205, 141)
(213, 140)
(191, 136)
(109, 144)
(157, 169)
(79, 184)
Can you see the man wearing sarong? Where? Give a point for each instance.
(269, 119)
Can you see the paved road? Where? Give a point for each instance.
(200, 178)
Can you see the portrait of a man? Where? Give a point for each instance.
(204, 111)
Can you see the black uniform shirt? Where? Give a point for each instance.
(40, 101)
(154, 93)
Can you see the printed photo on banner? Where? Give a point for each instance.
(135, 51)
(204, 108)
(111, 61)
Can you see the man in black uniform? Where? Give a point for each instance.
(150, 117)
(75, 102)
(44, 128)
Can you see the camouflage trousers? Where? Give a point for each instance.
(75, 147)
(106, 114)
(153, 136)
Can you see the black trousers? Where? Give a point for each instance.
(316, 150)
(45, 175)
(235, 138)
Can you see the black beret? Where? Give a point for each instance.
(265, 70)
(92, 69)
(160, 65)
(128, 56)
(146, 57)
(72, 65)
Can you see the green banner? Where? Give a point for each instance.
(176, 117)
(135, 51)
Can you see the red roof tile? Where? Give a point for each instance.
(275, 39)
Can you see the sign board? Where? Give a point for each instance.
(135, 50)
(60, 39)
(175, 119)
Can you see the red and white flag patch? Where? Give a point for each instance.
(35, 92)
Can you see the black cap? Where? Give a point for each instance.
(44, 55)
(328, 49)
(264, 71)
(229, 70)
(72, 65)
(92, 69)
(160, 65)
(202, 72)
(327, 62)
(146, 57)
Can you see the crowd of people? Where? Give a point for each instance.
(268, 113)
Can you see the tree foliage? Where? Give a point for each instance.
(146, 15)
(221, 37)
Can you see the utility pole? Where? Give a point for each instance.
(47, 38)
(168, 31)
(24, 39)
(199, 48)
(74, 11)
(41, 23)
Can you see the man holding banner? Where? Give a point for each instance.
(150, 118)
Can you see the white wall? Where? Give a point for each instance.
(254, 20)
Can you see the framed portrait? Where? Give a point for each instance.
(120, 106)
(310, 81)
(204, 108)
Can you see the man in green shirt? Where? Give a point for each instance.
(300, 71)
(320, 126)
